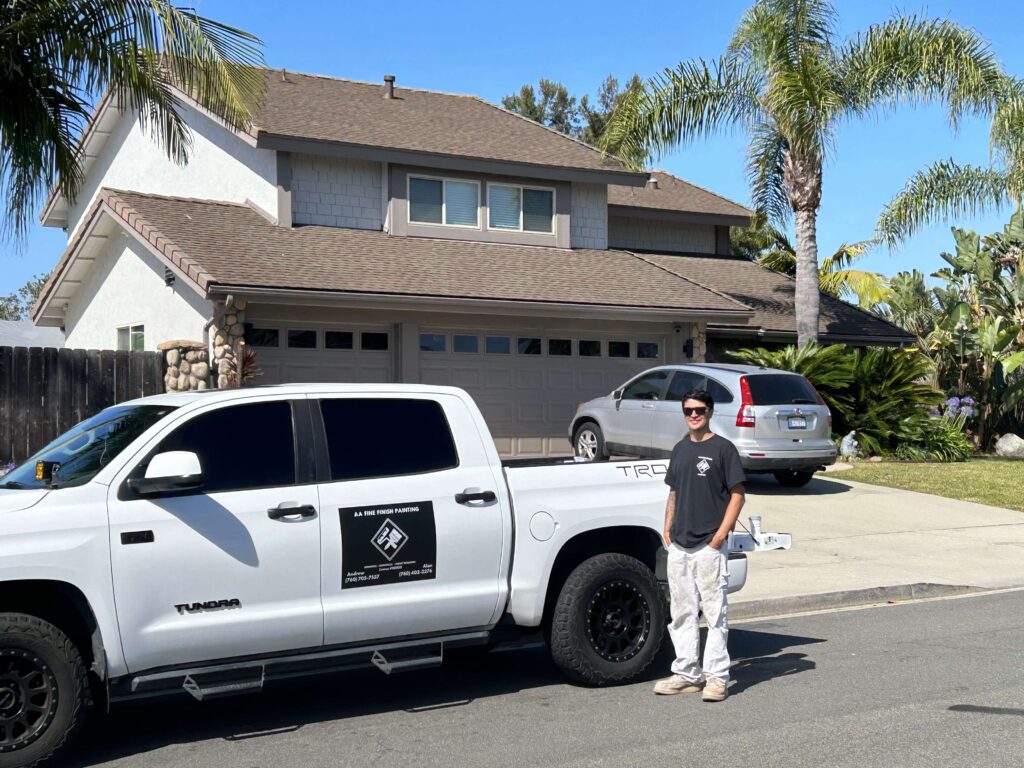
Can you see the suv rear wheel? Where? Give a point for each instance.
(43, 690)
(608, 621)
(793, 478)
(588, 442)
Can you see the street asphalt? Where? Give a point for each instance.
(917, 684)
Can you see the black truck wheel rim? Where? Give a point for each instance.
(28, 698)
(618, 621)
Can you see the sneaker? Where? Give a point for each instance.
(715, 690)
(677, 684)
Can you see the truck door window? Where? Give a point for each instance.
(647, 387)
(385, 437)
(240, 447)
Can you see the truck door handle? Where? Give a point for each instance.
(475, 494)
(289, 509)
(647, 406)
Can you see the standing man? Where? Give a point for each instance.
(706, 481)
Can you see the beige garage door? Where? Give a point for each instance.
(292, 354)
(528, 385)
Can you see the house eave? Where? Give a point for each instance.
(681, 217)
(476, 306)
(283, 143)
(788, 337)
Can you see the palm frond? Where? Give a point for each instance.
(766, 172)
(913, 60)
(690, 102)
(141, 51)
(944, 190)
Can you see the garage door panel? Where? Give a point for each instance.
(498, 378)
(527, 412)
(561, 380)
(528, 401)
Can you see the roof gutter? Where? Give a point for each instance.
(466, 305)
(305, 146)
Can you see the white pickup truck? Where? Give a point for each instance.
(209, 542)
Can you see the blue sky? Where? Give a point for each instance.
(490, 49)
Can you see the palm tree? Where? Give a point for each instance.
(57, 56)
(948, 189)
(790, 85)
(770, 247)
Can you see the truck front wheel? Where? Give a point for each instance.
(43, 691)
(608, 622)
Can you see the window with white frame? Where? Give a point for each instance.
(520, 209)
(450, 202)
(132, 338)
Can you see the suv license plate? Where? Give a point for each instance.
(797, 422)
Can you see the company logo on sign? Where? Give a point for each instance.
(703, 466)
(389, 539)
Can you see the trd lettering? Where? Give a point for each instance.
(644, 470)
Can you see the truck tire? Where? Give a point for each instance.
(790, 478)
(608, 622)
(588, 442)
(43, 691)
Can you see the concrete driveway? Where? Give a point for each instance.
(850, 539)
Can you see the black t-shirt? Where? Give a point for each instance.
(703, 476)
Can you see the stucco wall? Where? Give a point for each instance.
(654, 235)
(589, 218)
(126, 287)
(221, 166)
(336, 192)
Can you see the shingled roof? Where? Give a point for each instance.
(772, 296)
(226, 244)
(675, 195)
(349, 112)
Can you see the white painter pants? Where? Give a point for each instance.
(697, 578)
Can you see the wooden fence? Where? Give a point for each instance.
(44, 392)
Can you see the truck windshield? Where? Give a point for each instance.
(85, 449)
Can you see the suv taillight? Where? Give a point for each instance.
(745, 415)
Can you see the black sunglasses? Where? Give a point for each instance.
(700, 411)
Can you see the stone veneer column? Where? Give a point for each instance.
(228, 343)
(700, 342)
(187, 365)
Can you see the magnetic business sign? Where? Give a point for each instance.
(387, 544)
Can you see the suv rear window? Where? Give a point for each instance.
(780, 389)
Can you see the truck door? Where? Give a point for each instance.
(414, 516)
(232, 568)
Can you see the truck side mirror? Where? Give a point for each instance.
(169, 472)
(617, 394)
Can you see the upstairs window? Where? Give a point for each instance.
(520, 209)
(449, 202)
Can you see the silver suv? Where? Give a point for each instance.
(776, 419)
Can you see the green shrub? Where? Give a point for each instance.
(935, 438)
(882, 394)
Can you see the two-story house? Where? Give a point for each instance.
(365, 232)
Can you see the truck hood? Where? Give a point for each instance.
(12, 499)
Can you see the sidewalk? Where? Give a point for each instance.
(851, 538)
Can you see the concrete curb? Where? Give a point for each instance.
(801, 603)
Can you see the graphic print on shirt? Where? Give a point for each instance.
(703, 465)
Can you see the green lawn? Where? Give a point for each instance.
(999, 482)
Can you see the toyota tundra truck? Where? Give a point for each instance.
(208, 542)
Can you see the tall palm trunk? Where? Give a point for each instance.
(801, 177)
(807, 276)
